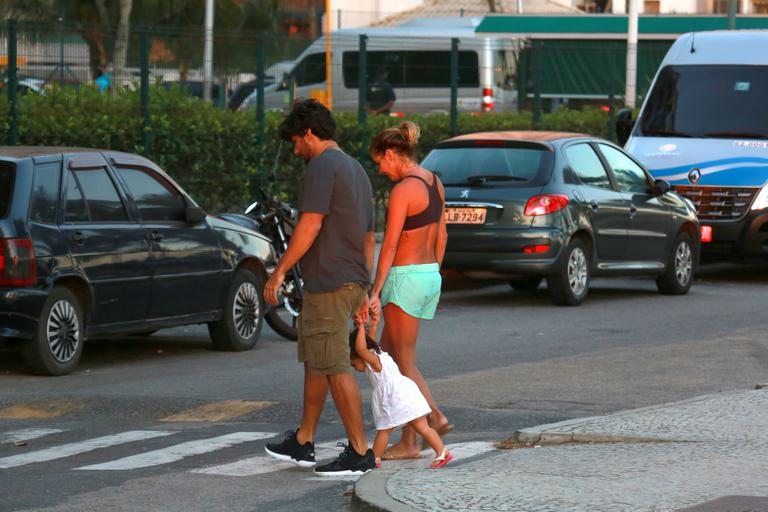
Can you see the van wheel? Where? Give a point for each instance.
(243, 313)
(678, 277)
(570, 284)
(57, 344)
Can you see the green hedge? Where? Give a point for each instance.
(215, 153)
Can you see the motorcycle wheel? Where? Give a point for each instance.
(284, 318)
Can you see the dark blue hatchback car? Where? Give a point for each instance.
(99, 242)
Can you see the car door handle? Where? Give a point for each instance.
(77, 237)
(155, 235)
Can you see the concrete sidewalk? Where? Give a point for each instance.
(708, 453)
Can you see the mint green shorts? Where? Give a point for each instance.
(413, 288)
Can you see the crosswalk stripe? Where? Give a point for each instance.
(67, 450)
(262, 464)
(459, 451)
(27, 434)
(178, 452)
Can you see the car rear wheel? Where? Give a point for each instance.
(678, 277)
(57, 344)
(525, 284)
(243, 313)
(570, 283)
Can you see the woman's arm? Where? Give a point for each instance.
(442, 234)
(362, 350)
(397, 210)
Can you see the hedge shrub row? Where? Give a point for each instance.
(215, 153)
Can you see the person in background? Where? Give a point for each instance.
(379, 96)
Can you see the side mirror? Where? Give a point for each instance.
(661, 187)
(624, 125)
(194, 214)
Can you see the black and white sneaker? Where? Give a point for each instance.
(349, 462)
(290, 450)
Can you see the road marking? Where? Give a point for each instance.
(67, 450)
(40, 410)
(219, 411)
(262, 464)
(178, 452)
(27, 434)
(459, 451)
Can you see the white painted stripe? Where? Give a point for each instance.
(179, 451)
(67, 450)
(459, 451)
(27, 434)
(262, 464)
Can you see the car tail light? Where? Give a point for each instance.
(487, 104)
(397, 114)
(17, 262)
(535, 249)
(706, 234)
(546, 204)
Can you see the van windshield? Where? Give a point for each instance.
(708, 101)
(6, 187)
(497, 166)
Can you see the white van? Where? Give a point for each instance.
(416, 57)
(704, 128)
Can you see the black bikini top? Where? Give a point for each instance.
(430, 214)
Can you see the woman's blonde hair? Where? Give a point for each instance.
(401, 139)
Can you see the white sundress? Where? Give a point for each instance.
(396, 398)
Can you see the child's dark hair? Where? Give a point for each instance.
(308, 114)
(370, 343)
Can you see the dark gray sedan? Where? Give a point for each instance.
(562, 206)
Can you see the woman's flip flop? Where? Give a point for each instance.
(442, 460)
(387, 455)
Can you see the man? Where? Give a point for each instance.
(334, 243)
(380, 97)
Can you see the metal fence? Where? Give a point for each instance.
(267, 71)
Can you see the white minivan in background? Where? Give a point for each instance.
(416, 56)
(704, 128)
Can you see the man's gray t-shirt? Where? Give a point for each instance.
(336, 185)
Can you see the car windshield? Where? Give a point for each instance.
(708, 101)
(6, 187)
(497, 166)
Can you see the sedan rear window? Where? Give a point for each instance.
(481, 164)
(7, 171)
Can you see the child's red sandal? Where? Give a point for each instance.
(444, 458)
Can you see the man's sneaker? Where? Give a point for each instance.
(290, 450)
(349, 462)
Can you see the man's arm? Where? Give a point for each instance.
(370, 250)
(303, 237)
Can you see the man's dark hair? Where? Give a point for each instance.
(308, 114)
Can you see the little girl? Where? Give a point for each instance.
(396, 399)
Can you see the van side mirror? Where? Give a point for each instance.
(194, 214)
(661, 187)
(624, 125)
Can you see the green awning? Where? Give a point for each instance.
(599, 25)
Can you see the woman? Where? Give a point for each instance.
(407, 284)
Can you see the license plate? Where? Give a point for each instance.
(465, 215)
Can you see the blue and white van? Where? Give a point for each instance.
(704, 128)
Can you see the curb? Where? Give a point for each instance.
(371, 490)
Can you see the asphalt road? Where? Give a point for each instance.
(496, 361)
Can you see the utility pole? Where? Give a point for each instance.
(630, 91)
(732, 14)
(208, 51)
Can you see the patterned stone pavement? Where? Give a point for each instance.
(705, 448)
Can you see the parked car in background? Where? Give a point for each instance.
(566, 207)
(99, 242)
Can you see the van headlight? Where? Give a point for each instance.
(761, 201)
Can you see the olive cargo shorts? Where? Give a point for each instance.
(324, 328)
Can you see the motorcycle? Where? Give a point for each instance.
(276, 220)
